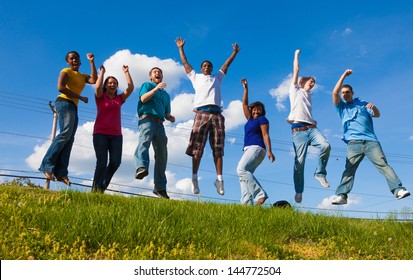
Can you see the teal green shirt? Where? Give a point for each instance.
(158, 106)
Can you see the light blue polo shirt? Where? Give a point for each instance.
(357, 120)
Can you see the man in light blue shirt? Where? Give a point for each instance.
(357, 120)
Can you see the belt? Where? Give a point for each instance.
(303, 128)
(155, 119)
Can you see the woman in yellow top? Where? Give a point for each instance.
(70, 85)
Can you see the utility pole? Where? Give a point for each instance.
(47, 184)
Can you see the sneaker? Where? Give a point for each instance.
(323, 181)
(219, 185)
(195, 187)
(402, 194)
(141, 173)
(339, 200)
(298, 197)
(161, 193)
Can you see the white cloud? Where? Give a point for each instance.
(280, 93)
(234, 115)
(411, 138)
(347, 31)
(182, 106)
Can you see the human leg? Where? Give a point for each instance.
(355, 155)
(146, 130)
(100, 144)
(115, 157)
(300, 144)
(56, 160)
(160, 142)
(250, 187)
(375, 154)
(318, 141)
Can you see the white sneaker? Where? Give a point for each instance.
(339, 200)
(323, 181)
(298, 197)
(219, 185)
(402, 194)
(195, 187)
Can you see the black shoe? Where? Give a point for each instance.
(141, 173)
(161, 193)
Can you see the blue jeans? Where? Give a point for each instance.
(57, 157)
(106, 144)
(301, 141)
(250, 187)
(356, 151)
(152, 132)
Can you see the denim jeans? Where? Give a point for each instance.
(356, 151)
(250, 188)
(57, 157)
(301, 141)
(106, 144)
(152, 132)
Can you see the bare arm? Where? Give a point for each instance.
(296, 67)
(265, 129)
(128, 91)
(376, 112)
(93, 74)
(180, 43)
(61, 87)
(230, 59)
(148, 95)
(247, 112)
(339, 84)
(99, 83)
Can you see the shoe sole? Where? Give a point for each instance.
(159, 195)
(404, 195)
(141, 175)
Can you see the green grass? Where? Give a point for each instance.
(41, 224)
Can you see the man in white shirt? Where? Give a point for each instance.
(304, 131)
(208, 118)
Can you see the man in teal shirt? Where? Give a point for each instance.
(154, 107)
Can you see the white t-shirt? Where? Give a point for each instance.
(301, 107)
(207, 88)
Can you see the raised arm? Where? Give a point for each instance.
(247, 112)
(264, 130)
(99, 82)
(296, 67)
(180, 44)
(128, 91)
(230, 59)
(339, 84)
(93, 73)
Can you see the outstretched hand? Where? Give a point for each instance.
(236, 47)
(179, 42)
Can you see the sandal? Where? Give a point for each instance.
(49, 176)
(261, 201)
(63, 179)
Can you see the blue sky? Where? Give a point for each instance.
(372, 38)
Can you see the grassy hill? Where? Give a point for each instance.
(41, 224)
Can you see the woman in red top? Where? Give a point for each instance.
(107, 132)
